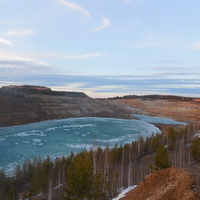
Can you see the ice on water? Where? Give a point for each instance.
(60, 137)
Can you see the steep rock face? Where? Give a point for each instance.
(172, 183)
(27, 104)
(177, 108)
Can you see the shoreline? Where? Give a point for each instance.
(131, 117)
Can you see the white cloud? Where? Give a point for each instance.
(16, 57)
(4, 41)
(103, 91)
(20, 32)
(188, 86)
(84, 56)
(105, 24)
(14, 65)
(73, 6)
(6, 83)
(196, 45)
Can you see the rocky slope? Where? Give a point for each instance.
(178, 108)
(27, 104)
(173, 183)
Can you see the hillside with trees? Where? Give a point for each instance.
(103, 173)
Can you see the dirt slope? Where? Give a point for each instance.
(177, 108)
(169, 184)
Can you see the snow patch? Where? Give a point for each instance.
(123, 192)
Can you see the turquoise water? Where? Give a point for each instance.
(59, 137)
(158, 120)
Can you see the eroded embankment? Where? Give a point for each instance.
(172, 183)
(177, 108)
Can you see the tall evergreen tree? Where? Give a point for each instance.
(195, 149)
(3, 180)
(12, 194)
(79, 178)
(172, 137)
(161, 159)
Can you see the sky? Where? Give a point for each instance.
(104, 48)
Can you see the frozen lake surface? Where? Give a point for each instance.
(59, 137)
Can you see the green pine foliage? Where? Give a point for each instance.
(12, 194)
(195, 149)
(161, 160)
(79, 178)
(172, 138)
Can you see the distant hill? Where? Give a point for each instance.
(156, 97)
(26, 90)
(184, 109)
(27, 104)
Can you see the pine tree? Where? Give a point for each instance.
(79, 178)
(48, 173)
(195, 149)
(3, 180)
(172, 137)
(12, 194)
(161, 159)
(18, 175)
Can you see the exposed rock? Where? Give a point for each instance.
(27, 104)
(172, 183)
(178, 108)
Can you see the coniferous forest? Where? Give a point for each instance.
(102, 173)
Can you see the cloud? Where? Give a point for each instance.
(73, 6)
(95, 91)
(65, 57)
(13, 64)
(2, 83)
(18, 68)
(105, 23)
(20, 32)
(176, 86)
(4, 56)
(4, 41)
(104, 86)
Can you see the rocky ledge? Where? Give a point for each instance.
(27, 104)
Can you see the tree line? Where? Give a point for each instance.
(101, 173)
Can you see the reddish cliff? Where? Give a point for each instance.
(172, 183)
(179, 108)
